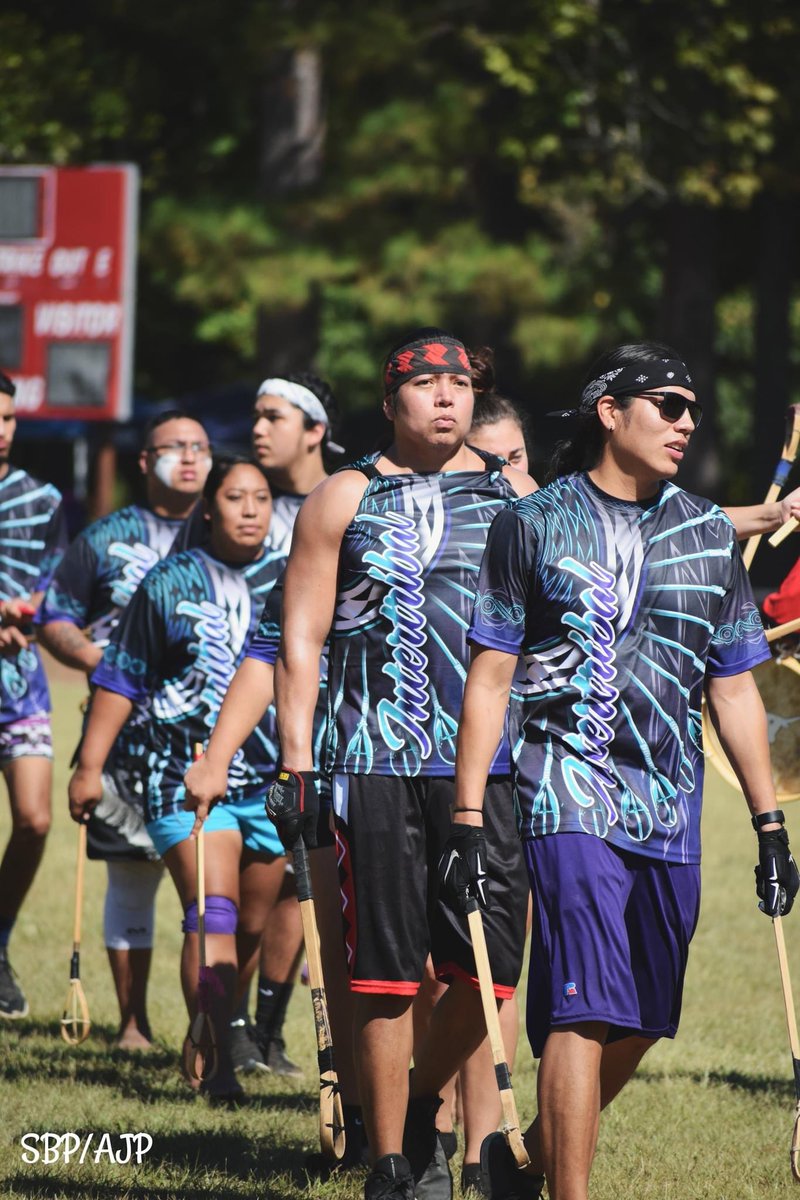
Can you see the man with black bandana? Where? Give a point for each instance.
(384, 557)
(611, 599)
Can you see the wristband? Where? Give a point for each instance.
(767, 818)
(477, 810)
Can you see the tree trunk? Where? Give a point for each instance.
(293, 122)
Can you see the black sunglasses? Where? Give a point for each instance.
(672, 406)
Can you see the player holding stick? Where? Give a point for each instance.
(96, 579)
(624, 596)
(177, 647)
(33, 537)
(384, 557)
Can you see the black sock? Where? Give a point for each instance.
(271, 1005)
(240, 1013)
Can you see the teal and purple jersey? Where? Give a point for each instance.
(103, 567)
(618, 611)
(408, 570)
(33, 536)
(176, 648)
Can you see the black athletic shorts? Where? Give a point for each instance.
(390, 833)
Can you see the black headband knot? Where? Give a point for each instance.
(629, 380)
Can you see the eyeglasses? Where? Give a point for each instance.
(180, 448)
(672, 406)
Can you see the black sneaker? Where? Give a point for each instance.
(472, 1181)
(12, 998)
(425, 1152)
(449, 1140)
(245, 1051)
(277, 1060)
(390, 1179)
(501, 1177)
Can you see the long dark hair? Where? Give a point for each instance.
(581, 451)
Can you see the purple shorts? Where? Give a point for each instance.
(610, 941)
(30, 737)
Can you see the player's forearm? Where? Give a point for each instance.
(755, 519)
(108, 713)
(480, 729)
(70, 645)
(738, 715)
(296, 690)
(248, 698)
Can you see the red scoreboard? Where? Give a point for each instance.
(68, 240)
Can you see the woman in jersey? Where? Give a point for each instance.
(177, 648)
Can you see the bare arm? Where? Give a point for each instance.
(756, 519)
(248, 698)
(522, 484)
(309, 598)
(737, 712)
(70, 645)
(480, 728)
(108, 714)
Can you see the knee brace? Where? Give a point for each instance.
(129, 914)
(222, 916)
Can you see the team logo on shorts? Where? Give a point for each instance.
(570, 989)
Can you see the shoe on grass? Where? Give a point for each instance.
(472, 1181)
(245, 1051)
(13, 1004)
(501, 1177)
(278, 1061)
(423, 1148)
(390, 1179)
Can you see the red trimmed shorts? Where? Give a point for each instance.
(389, 837)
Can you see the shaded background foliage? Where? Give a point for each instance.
(545, 178)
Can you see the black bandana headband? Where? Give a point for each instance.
(631, 379)
(440, 356)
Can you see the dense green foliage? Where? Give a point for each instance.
(545, 178)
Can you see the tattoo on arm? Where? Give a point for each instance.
(70, 645)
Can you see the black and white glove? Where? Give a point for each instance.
(462, 870)
(293, 807)
(777, 878)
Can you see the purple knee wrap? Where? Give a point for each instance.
(222, 916)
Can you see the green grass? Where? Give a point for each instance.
(709, 1115)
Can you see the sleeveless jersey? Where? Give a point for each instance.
(408, 569)
(33, 536)
(619, 612)
(177, 646)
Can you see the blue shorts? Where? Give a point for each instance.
(610, 940)
(246, 816)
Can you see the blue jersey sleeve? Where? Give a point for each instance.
(130, 661)
(69, 592)
(738, 642)
(266, 639)
(504, 583)
(56, 540)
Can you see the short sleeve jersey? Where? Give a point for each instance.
(408, 570)
(618, 612)
(103, 567)
(178, 645)
(33, 536)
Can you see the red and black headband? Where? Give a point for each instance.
(434, 356)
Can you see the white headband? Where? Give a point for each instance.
(302, 398)
(297, 395)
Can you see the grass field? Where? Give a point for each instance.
(709, 1116)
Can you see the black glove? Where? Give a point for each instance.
(777, 879)
(293, 807)
(462, 870)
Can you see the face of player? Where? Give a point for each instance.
(433, 410)
(240, 514)
(647, 446)
(503, 437)
(280, 437)
(8, 427)
(178, 456)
